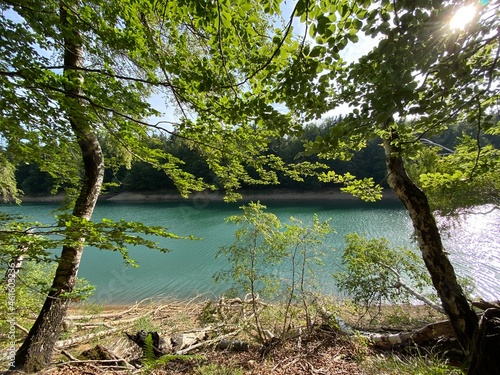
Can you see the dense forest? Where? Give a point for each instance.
(142, 176)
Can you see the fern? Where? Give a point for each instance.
(148, 352)
(150, 361)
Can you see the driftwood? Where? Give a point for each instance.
(78, 340)
(187, 342)
(98, 355)
(435, 330)
(429, 332)
(489, 327)
(113, 315)
(230, 310)
(222, 343)
(484, 305)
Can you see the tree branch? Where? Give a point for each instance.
(271, 58)
(20, 73)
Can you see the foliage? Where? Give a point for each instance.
(148, 352)
(33, 281)
(8, 184)
(466, 178)
(206, 61)
(420, 77)
(258, 248)
(151, 362)
(368, 163)
(420, 363)
(374, 272)
(76, 78)
(36, 240)
(305, 255)
(273, 260)
(420, 72)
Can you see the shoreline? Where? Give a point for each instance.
(275, 195)
(117, 307)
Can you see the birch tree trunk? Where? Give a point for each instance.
(36, 351)
(462, 318)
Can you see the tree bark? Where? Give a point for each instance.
(486, 343)
(429, 332)
(462, 317)
(36, 351)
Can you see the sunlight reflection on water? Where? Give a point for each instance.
(473, 242)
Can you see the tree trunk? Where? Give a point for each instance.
(36, 351)
(486, 343)
(462, 318)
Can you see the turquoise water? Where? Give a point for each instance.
(187, 270)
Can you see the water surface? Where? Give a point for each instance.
(187, 271)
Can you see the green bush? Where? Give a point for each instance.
(376, 273)
(273, 261)
(32, 285)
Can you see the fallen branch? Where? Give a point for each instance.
(21, 328)
(208, 342)
(429, 332)
(108, 315)
(484, 305)
(421, 297)
(97, 324)
(68, 355)
(79, 340)
(131, 320)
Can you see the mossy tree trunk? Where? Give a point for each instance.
(36, 351)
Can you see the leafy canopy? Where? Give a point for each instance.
(206, 59)
(421, 77)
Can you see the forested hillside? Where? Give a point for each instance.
(142, 176)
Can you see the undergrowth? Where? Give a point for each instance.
(419, 364)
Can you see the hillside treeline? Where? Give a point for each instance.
(141, 176)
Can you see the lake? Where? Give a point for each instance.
(473, 244)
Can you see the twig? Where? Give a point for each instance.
(78, 340)
(69, 355)
(97, 324)
(109, 315)
(94, 361)
(21, 328)
(208, 342)
(286, 365)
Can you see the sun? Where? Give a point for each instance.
(462, 17)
